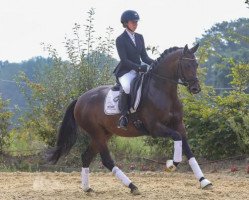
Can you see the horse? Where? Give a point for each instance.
(160, 112)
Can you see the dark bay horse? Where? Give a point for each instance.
(160, 112)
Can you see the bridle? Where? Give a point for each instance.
(184, 81)
(180, 74)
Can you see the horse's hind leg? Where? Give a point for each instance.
(109, 164)
(87, 158)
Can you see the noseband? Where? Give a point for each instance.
(180, 74)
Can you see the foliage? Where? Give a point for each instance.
(24, 142)
(240, 74)
(8, 73)
(5, 116)
(223, 42)
(217, 128)
(217, 125)
(90, 64)
(131, 147)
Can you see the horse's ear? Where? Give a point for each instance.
(185, 49)
(194, 49)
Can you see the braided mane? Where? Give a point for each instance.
(163, 55)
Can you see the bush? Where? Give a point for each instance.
(218, 125)
(90, 64)
(5, 116)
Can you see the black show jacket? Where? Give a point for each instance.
(130, 54)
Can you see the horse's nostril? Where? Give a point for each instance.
(195, 90)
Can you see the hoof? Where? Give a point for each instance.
(208, 187)
(89, 190)
(135, 192)
(170, 167)
(206, 184)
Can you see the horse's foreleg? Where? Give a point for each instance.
(177, 158)
(205, 183)
(87, 158)
(161, 130)
(109, 164)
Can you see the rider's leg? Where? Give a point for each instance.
(124, 107)
(125, 82)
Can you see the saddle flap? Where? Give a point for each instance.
(112, 98)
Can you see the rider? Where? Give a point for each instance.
(131, 50)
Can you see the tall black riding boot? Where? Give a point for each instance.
(124, 107)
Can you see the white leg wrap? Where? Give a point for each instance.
(121, 176)
(195, 167)
(170, 167)
(85, 178)
(177, 151)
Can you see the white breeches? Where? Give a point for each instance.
(126, 79)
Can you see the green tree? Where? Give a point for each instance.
(5, 116)
(218, 126)
(240, 74)
(8, 73)
(223, 42)
(90, 64)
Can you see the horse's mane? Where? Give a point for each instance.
(163, 55)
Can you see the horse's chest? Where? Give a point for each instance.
(163, 107)
(173, 115)
(167, 116)
(169, 113)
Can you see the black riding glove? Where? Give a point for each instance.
(142, 68)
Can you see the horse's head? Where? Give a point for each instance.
(187, 69)
(176, 64)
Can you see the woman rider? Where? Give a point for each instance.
(131, 50)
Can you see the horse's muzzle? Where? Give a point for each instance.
(194, 88)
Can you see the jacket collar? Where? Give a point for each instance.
(129, 39)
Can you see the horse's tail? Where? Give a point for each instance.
(66, 137)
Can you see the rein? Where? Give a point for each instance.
(179, 74)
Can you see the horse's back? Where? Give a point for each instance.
(93, 97)
(90, 105)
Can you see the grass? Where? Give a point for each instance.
(132, 147)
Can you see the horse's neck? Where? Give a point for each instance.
(168, 68)
(160, 89)
(166, 86)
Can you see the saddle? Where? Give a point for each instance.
(112, 97)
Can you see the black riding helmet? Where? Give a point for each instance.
(129, 15)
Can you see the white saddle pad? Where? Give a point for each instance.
(112, 98)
